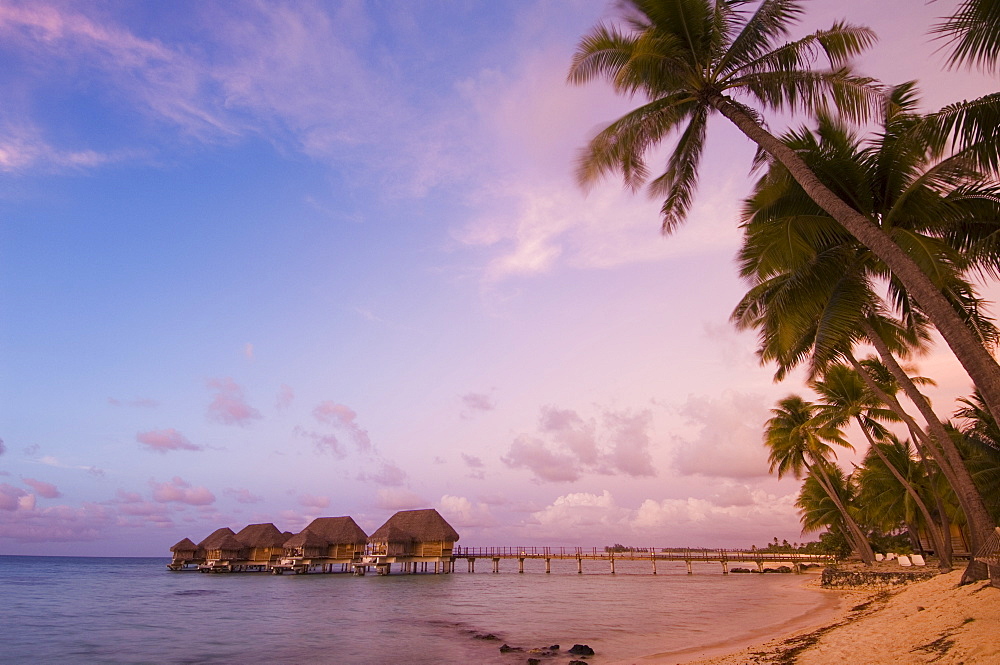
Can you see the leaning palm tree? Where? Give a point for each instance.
(845, 397)
(817, 510)
(799, 444)
(688, 59)
(813, 286)
(884, 500)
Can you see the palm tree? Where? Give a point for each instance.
(798, 443)
(813, 286)
(884, 500)
(974, 32)
(844, 398)
(817, 510)
(686, 57)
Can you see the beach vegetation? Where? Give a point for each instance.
(853, 238)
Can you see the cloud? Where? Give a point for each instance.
(310, 501)
(50, 460)
(567, 445)
(476, 403)
(43, 489)
(180, 491)
(532, 454)
(11, 497)
(285, 397)
(323, 442)
(388, 474)
(476, 464)
(462, 512)
(162, 440)
(89, 522)
(242, 495)
(343, 418)
(583, 510)
(229, 405)
(398, 499)
(728, 443)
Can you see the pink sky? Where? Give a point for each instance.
(315, 259)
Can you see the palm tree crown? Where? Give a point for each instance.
(683, 56)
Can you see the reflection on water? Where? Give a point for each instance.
(86, 610)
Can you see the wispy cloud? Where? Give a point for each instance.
(567, 445)
(177, 490)
(42, 488)
(229, 406)
(163, 440)
(344, 419)
(242, 495)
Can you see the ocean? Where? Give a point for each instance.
(133, 610)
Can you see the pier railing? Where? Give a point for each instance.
(642, 553)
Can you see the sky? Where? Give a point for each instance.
(270, 261)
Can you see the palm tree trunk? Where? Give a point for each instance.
(981, 524)
(858, 536)
(932, 527)
(977, 361)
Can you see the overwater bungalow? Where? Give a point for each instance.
(222, 551)
(327, 542)
(185, 556)
(265, 546)
(412, 538)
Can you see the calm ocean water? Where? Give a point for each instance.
(118, 610)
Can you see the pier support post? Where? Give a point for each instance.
(496, 565)
(472, 564)
(520, 565)
(688, 562)
(797, 568)
(548, 565)
(653, 559)
(435, 567)
(725, 567)
(760, 566)
(612, 565)
(579, 565)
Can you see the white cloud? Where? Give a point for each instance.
(728, 442)
(461, 512)
(568, 445)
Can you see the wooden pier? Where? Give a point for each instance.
(724, 557)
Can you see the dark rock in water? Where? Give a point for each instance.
(506, 648)
(578, 662)
(487, 636)
(739, 570)
(554, 647)
(534, 661)
(581, 650)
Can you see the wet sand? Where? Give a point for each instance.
(923, 622)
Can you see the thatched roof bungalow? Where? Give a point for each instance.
(264, 543)
(414, 533)
(222, 544)
(183, 554)
(345, 539)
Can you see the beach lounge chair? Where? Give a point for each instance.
(904, 560)
(890, 556)
(879, 557)
(918, 560)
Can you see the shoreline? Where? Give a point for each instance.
(927, 621)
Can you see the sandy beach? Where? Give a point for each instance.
(933, 621)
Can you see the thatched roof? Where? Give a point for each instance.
(217, 535)
(183, 546)
(418, 525)
(261, 535)
(337, 530)
(226, 542)
(307, 538)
